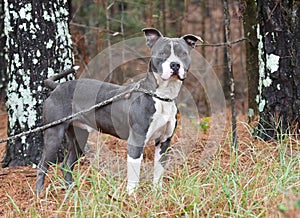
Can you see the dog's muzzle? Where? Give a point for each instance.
(176, 71)
(173, 69)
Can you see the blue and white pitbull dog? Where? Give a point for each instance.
(138, 118)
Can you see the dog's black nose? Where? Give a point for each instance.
(174, 66)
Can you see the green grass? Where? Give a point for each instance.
(262, 181)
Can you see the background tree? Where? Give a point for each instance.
(250, 27)
(278, 98)
(3, 77)
(38, 45)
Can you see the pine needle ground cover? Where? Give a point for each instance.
(262, 179)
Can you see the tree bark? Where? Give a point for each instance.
(229, 74)
(39, 44)
(278, 98)
(3, 76)
(250, 27)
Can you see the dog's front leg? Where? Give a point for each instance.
(160, 160)
(133, 173)
(134, 160)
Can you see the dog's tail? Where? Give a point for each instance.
(50, 82)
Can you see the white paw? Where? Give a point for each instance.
(132, 186)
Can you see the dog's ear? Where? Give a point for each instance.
(191, 40)
(152, 35)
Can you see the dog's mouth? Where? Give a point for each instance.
(174, 76)
(173, 69)
(177, 77)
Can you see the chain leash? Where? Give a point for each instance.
(135, 88)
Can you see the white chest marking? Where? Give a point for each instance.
(163, 121)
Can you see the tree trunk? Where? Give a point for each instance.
(278, 98)
(3, 76)
(226, 77)
(250, 27)
(229, 73)
(39, 44)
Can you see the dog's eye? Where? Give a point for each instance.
(162, 54)
(183, 54)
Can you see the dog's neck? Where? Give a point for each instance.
(167, 88)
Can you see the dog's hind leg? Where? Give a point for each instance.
(76, 141)
(53, 138)
(160, 160)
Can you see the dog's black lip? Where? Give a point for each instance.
(177, 76)
(181, 79)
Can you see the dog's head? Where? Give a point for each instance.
(170, 57)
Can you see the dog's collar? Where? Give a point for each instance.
(153, 94)
(137, 88)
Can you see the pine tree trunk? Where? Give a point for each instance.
(3, 76)
(250, 26)
(39, 45)
(278, 96)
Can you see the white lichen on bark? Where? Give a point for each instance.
(267, 82)
(278, 86)
(261, 68)
(25, 12)
(261, 105)
(272, 62)
(63, 38)
(26, 117)
(267, 64)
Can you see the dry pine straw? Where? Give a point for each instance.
(19, 183)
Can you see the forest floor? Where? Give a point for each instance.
(17, 184)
